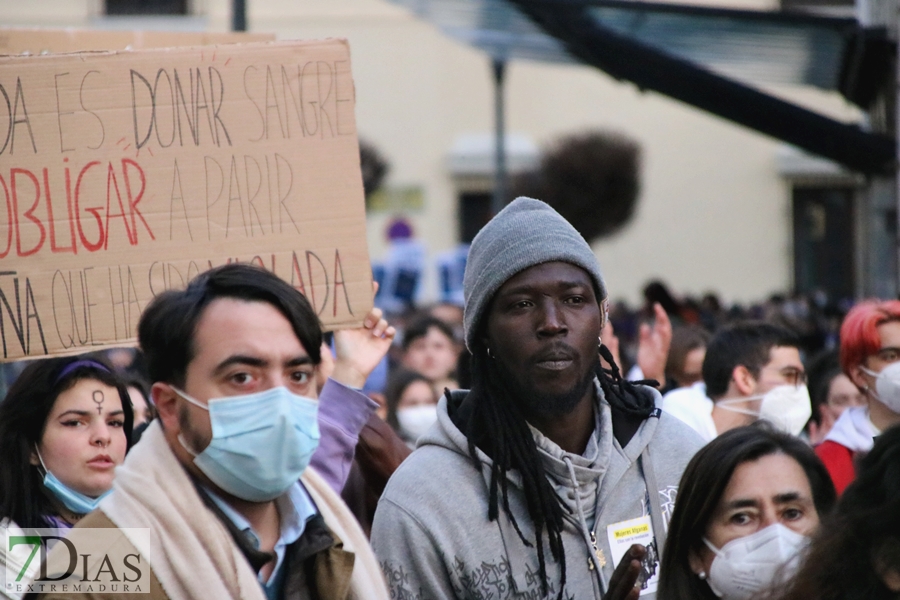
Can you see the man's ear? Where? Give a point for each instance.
(486, 342)
(166, 401)
(743, 380)
(859, 378)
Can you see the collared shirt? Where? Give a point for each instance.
(295, 509)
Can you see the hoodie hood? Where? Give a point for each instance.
(434, 538)
(587, 470)
(584, 481)
(854, 430)
(577, 477)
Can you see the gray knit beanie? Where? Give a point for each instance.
(526, 233)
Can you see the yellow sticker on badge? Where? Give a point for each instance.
(622, 535)
(631, 531)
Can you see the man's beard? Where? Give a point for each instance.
(543, 405)
(190, 436)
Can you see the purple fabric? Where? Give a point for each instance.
(399, 229)
(57, 523)
(81, 363)
(343, 412)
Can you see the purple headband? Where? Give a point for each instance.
(81, 363)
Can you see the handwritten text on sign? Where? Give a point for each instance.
(125, 174)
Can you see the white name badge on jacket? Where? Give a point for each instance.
(636, 531)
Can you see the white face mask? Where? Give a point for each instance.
(748, 565)
(887, 385)
(416, 420)
(785, 406)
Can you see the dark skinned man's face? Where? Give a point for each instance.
(543, 326)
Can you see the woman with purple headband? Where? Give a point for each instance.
(65, 425)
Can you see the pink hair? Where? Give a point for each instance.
(859, 332)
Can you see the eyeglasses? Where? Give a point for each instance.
(793, 376)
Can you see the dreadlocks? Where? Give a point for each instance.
(498, 427)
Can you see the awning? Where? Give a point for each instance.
(711, 58)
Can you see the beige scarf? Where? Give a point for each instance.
(189, 549)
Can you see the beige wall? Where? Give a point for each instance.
(714, 214)
(45, 13)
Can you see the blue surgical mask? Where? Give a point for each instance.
(77, 502)
(261, 443)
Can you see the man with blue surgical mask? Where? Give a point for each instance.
(752, 370)
(222, 478)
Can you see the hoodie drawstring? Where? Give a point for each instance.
(590, 539)
(656, 513)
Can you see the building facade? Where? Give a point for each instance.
(722, 208)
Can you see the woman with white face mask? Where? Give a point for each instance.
(745, 507)
(411, 405)
(831, 392)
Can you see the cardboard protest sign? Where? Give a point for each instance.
(15, 40)
(123, 174)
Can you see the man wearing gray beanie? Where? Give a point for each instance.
(551, 470)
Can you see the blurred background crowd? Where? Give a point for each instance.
(428, 354)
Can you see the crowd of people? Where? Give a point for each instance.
(537, 442)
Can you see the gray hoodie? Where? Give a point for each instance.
(433, 538)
